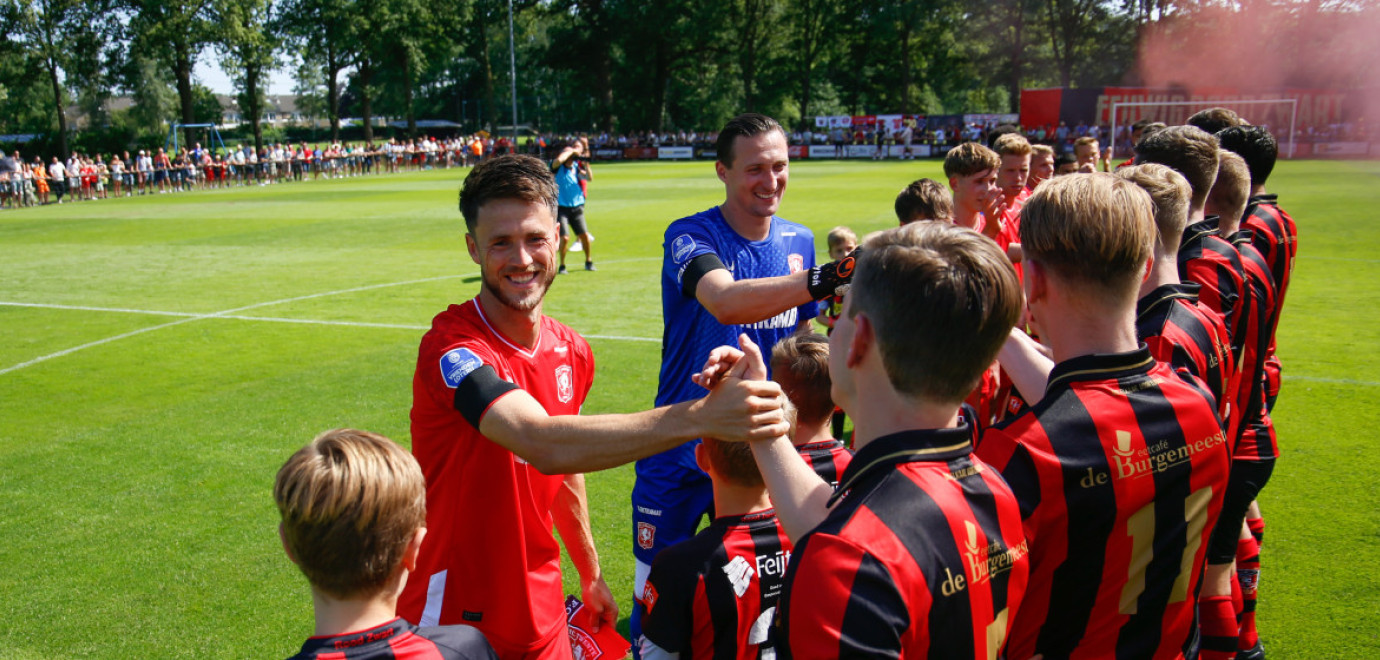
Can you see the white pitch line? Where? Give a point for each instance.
(187, 317)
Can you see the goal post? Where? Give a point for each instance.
(212, 139)
(1231, 104)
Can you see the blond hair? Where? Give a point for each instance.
(1041, 150)
(1093, 230)
(1012, 144)
(1170, 193)
(840, 236)
(800, 363)
(350, 503)
(1232, 190)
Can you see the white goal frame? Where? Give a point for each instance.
(1210, 103)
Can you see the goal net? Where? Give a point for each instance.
(1278, 115)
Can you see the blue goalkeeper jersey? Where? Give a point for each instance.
(690, 330)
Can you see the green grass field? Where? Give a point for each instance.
(163, 355)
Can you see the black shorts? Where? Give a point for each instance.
(1243, 485)
(571, 217)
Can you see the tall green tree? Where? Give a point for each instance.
(174, 33)
(65, 39)
(324, 34)
(248, 43)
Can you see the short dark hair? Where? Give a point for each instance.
(1214, 119)
(1191, 151)
(942, 300)
(506, 177)
(924, 198)
(1254, 144)
(748, 124)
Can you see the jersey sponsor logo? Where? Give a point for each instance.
(646, 535)
(681, 248)
(786, 319)
(774, 564)
(565, 383)
(740, 574)
(991, 560)
(650, 512)
(1131, 463)
(796, 262)
(458, 363)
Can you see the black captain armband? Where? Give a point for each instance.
(826, 279)
(479, 389)
(696, 269)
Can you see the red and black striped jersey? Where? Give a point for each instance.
(400, 640)
(1255, 440)
(1180, 331)
(715, 595)
(1120, 470)
(921, 556)
(1276, 237)
(828, 458)
(1209, 260)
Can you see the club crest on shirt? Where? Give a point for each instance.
(796, 261)
(565, 383)
(681, 247)
(458, 363)
(646, 535)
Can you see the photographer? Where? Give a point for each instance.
(571, 167)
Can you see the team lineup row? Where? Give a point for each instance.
(1056, 440)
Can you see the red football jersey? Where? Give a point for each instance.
(489, 559)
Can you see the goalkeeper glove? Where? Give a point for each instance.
(825, 279)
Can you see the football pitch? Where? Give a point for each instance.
(163, 356)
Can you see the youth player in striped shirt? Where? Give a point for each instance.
(1121, 465)
(920, 552)
(1176, 328)
(1204, 256)
(1254, 449)
(353, 508)
(800, 364)
(714, 596)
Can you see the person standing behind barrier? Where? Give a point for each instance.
(569, 168)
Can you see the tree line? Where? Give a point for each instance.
(583, 65)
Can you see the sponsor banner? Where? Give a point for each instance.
(916, 151)
(861, 150)
(632, 153)
(840, 121)
(864, 121)
(676, 153)
(891, 123)
(709, 153)
(990, 119)
(821, 151)
(821, 122)
(798, 151)
(608, 154)
(1341, 149)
